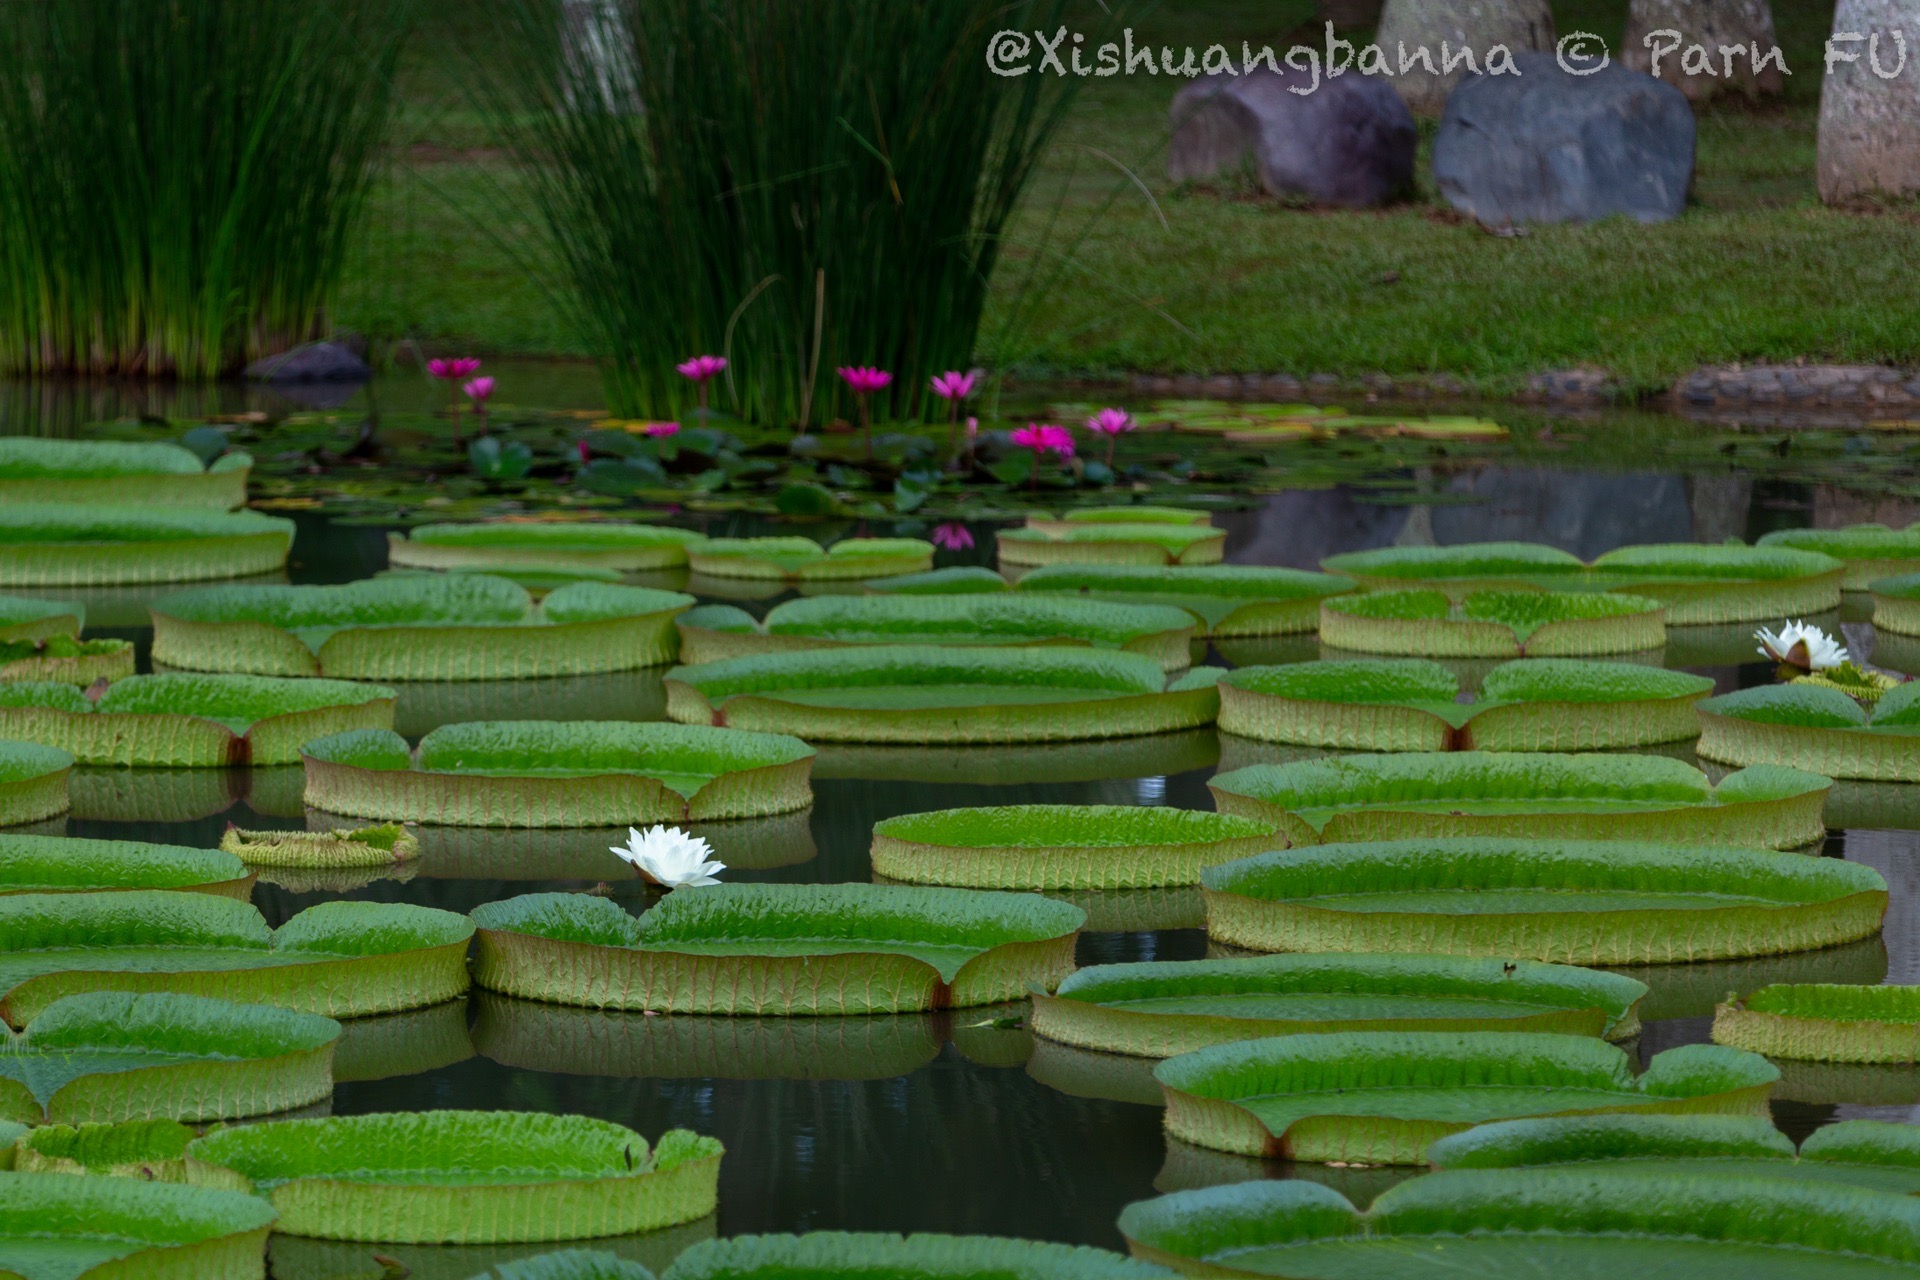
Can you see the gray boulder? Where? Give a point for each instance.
(1349, 142)
(1869, 140)
(1550, 146)
(312, 362)
(1443, 28)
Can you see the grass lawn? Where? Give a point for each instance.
(1101, 277)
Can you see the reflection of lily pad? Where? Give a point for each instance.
(1012, 764)
(831, 1255)
(1089, 1073)
(1137, 910)
(425, 705)
(102, 793)
(126, 608)
(585, 853)
(402, 1044)
(794, 559)
(543, 773)
(1692, 990)
(778, 949)
(1732, 644)
(1873, 806)
(1861, 1084)
(536, 1036)
(303, 1258)
(1103, 544)
(336, 880)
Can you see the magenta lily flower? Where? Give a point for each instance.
(953, 387)
(1110, 423)
(454, 369)
(658, 429)
(1044, 438)
(451, 371)
(701, 368)
(478, 391)
(863, 381)
(953, 536)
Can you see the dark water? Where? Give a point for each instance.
(954, 1122)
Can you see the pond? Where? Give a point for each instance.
(953, 1122)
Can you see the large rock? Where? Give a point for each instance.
(1349, 142)
(1550, 146)
(1520, 26)
(312, 362)
(1869, 125)
(1698, 68)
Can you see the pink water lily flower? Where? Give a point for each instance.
(953, 536)
(478, 390)
(701, 368)
(454, 369)
(1110, 423)
(863, 381)
(954, 385)
(1045, 437)
(657, 429)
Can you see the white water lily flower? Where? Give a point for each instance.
(1798, 645)
(669, 856)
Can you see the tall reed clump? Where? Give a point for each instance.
(796, 186)
(179, 178)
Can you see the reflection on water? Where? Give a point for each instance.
(298, 1258)
(958, 1121)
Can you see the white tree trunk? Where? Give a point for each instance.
(1870, 122)
(1522, 26)
(598, 48)
(1732, 36)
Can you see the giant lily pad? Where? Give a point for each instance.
(468, 1176)
(1381, 1096)
(715, 633)
(778, 949)
(955, 580)
(120, 473)
(341, 959)
(1160, 1008)
(381, 846)
(66, 660)
(1568, 902)
(110, 1055)
(804, 560)
(831, 1255)
(56, 864)
(1542, 704)
(541, 773)
(1815, 728)
(922, 693)
(33, 782)
(1230, 600)
(1099, 543)
(151, 1149)
(57, 1227)
(541, 544)
(190, 721)
(1538, 795)
(1870, 551)
(1863, 1153)
(1493, 624)
(1137, 513)
(1896, 605)
(1062, 846)
(1564, 1223)
(75, 545)
(457, 626)
(1022, 764)
(534, 1035)
(1697, 584)
(1824, 1022)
